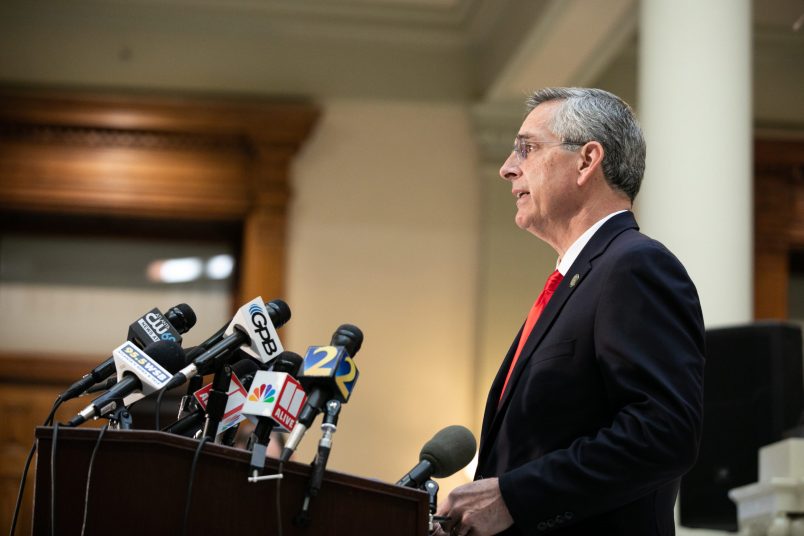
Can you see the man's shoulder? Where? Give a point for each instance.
(633, 250)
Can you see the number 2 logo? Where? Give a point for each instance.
(324, 366)
(349, 377)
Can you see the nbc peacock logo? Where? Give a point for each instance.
(263, 393)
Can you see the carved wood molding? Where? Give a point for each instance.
(144, 157)
(147, 156)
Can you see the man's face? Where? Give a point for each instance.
(543, 183)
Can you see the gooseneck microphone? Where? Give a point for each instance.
(449, 451)
(150, 327)
(328, 373)
(139, 372)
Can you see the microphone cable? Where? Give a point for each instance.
(89, 477)
(279, 468)
(56, 404)
(48, 422)
(22, 488)
(187, 501)
(158, 409)
(53, 480)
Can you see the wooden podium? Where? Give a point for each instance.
(139, 486)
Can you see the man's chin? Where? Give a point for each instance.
(523, 222)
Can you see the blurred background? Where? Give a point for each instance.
(342, 155)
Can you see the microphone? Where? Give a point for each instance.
(278, 311)
(252, 330)
(329, 426)
(150, 327)
(328, 373)
(446, 453)
(243, 372)
(139, 373)
(275, 399)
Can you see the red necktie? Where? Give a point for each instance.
(538, 306)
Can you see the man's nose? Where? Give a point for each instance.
(510, 168)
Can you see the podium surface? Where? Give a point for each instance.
(140, 480)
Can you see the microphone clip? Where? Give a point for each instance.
(120, 418)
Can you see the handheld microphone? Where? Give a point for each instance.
(139, 373)
(252, 330)
(275, 400)
(329, 426)
(150, 327)
(189, 425)
(328, 372)
(449, 451)
(278, 311)
(98, 387)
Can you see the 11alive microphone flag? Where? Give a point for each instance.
(236, 397)
(276, 395)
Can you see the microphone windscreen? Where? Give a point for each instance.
(348, 336)
(182, 317)
(289, 362)
(244, 367)
(279, 311)
(168, 354)
(449, 451)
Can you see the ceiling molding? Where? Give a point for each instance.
(563, 48)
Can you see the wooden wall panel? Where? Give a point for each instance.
(141, 162)
(778, 222)
(29, 385)
(125, 181)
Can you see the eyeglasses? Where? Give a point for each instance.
(523, 146)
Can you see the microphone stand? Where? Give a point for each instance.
(216, 403)
(120, 418)
(329, 427)
(187, 403)
(431, 487)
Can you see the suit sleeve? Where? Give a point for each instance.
(649, 337)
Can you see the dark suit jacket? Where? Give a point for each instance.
(602, 414)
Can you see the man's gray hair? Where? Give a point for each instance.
(595, 115)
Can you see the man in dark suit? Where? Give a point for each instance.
(596, 411)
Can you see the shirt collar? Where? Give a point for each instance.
(563, 264)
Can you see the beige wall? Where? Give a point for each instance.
(383, 234)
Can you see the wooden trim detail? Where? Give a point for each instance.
(137, 165)
(778, 222)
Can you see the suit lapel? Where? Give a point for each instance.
(492, 402)
(583, 264)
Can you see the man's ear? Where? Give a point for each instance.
(590, 161)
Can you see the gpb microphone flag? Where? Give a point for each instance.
(253, 318)
(251, 330)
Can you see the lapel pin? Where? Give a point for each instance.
(574, 280)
